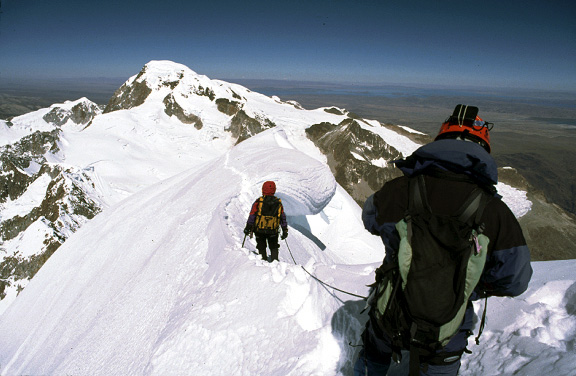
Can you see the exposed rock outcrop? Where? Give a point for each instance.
(172, 108)
(357, 157)
(243, 126)
(129, 95)
(81, 113)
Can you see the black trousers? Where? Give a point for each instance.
(270, 241)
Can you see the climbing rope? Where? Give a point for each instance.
(319, 280)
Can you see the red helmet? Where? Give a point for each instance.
(465, 123)
(268, 188)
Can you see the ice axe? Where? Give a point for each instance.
(245, 235)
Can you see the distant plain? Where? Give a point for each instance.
(534, 131)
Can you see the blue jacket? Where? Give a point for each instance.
(508, 270)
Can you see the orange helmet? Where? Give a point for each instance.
(466, 124)
(268, 188)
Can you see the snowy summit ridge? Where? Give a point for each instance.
(160, 122)
(158, 283)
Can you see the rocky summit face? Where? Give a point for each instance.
(61, 166)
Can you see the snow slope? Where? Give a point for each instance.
(534, 334)
(162, 278)
(159, 284)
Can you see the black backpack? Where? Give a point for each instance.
(419, 300)
(268, 215)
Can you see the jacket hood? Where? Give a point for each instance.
(462, 157)
(269, 188)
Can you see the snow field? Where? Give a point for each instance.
(533, 334)
(516, 199)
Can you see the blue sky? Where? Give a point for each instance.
(454, 43)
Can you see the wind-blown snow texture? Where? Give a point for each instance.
(158, 283)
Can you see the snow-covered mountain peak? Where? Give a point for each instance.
(79, 112)
(157, 72)
(163, 75)
(163, 79)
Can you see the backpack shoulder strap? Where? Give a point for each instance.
(470, 206)
(260, 201)
(473, 208)
(418, 201)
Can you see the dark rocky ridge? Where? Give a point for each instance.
(81, 113)
(344, 144)
(243, 126)
(65, 207)
(128, 96)
(172, 108)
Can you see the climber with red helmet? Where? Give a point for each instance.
(439, 180)
(265, 220)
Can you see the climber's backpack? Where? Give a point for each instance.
(419, 299)
(268, 215)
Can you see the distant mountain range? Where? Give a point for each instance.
(62, 165)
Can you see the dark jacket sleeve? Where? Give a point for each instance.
(252, 216)
(508, 270)
(386, 230)
(283, 222)
(382, 211)
(369, 216)
(507, 273)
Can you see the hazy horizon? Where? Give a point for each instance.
(104, 87)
